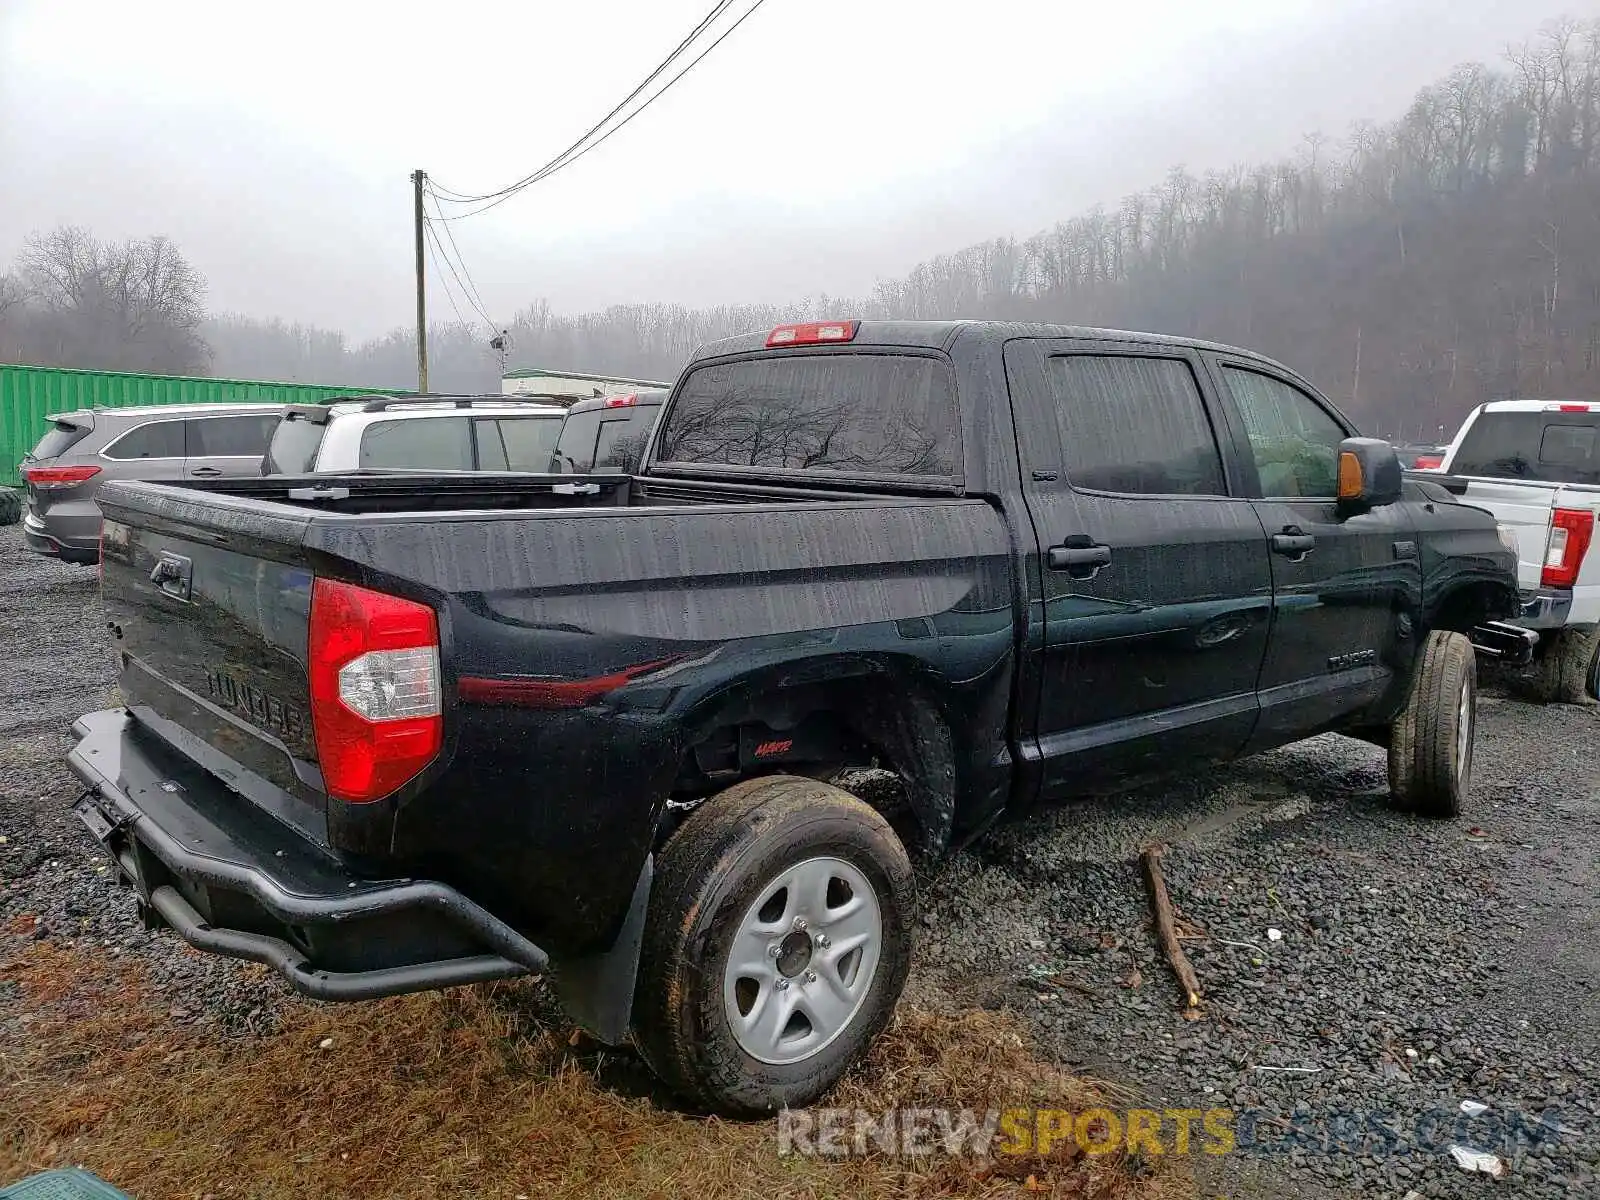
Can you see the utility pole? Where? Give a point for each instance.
(418, 178)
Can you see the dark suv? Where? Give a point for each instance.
(607, 434)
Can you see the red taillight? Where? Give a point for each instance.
(1571, 531)
(1429, 462)
(49, 477)
(812, 333)
(622, 401)
(1569, 408)
(375, 692)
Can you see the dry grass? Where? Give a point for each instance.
(475, 1092)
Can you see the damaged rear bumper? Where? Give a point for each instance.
(1505, 642)
(231, 880)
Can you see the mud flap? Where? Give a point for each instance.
(597, 992)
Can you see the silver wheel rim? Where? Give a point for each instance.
(1464, 732)
(802, 961)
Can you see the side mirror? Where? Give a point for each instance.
(1370, 474)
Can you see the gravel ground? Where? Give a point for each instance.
(1418, 964)
(58, 664)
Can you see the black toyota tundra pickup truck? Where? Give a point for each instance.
(394, 733)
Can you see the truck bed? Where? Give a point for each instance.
(393, 492)
(388, 492)
(576, 631)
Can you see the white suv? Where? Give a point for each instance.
(414, 433)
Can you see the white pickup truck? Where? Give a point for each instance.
(1535, 465)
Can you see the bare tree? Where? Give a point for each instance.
(1417, 267)
(131, 306)
(11, 294)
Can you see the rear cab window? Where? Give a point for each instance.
(1541, 447)
(865, 414)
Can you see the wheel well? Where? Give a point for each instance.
(1471, 605)
(880, 739)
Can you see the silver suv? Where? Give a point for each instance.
(414, 433)
(83, 449)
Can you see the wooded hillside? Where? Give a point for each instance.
(1412, 269)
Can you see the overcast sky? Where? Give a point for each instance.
(821, 147)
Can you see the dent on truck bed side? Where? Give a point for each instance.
(596, 645)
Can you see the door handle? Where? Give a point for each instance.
(205, 472)
(1079, 557)
(1293, 543)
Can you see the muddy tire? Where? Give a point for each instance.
(1565, 673)
(10, 506)
(778, 942)
(1430, 749)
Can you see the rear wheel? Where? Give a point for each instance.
(10, 506)
(1566, 672)
(778, 941)
(1430, 748)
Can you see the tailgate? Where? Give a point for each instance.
(1525, 508)
(209, 600)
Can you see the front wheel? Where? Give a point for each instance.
(778, 941)
(1430, 746)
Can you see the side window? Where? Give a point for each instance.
(1294, 441)
(1136, 426)
(418, 444)
(491, 445)
(620, 445)
(528, 442)
(158, 439)
(1569, 446)
(233, 437)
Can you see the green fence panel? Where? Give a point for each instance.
(30, 394)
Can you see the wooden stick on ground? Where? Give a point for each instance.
(1166, 931)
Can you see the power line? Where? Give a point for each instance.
(563, 160)
(475, 297)
(717, 10)
(434, 255)
(436, 251)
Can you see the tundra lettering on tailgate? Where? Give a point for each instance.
(264, 710)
